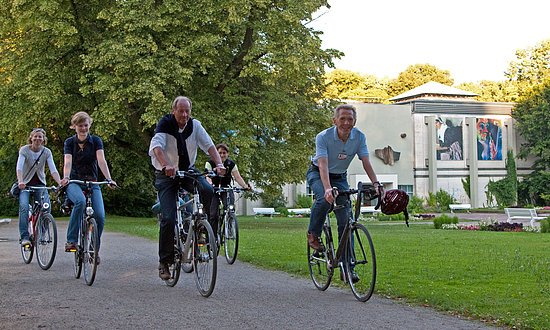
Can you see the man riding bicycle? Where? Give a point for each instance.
(335, 148)
(174, 147)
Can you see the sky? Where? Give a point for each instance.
(473, 39)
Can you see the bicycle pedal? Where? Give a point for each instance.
(27, 247)
(71, 250)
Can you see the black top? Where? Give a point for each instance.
(84, 159)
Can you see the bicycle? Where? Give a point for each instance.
(194, 240)
(355, 256)
(85, 256)
(228, 228)
(42, 231)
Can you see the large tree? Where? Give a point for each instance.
(253, 69)
(345, 84)
(531, 67)
(417, 75)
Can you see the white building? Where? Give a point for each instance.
(431, 138)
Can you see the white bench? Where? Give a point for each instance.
(455, 207)
(368, 210)
(261, 211)
(525, 214)
(5, 221)
(298, 212)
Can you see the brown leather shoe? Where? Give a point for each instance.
(70, 247)
(314, 242)
(164, 271)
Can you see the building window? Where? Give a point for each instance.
(406, 188)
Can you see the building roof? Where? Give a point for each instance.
(432, 89)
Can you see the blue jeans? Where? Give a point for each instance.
(76, 195)
(167, 194)
(25, 207)
(321, 207)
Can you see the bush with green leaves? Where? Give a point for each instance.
(304, 201)
(444, 219)
(443, 199)
(545, 225)
(416, 205)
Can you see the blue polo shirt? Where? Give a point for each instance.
(84, 160)
(338, 153)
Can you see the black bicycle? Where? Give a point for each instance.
(85, 254)
(42, 231)
(194, 240)
(355, 254)
(228, 228)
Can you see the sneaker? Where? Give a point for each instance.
(164, 271)
(70, 247)
(314, 242)
(354, 277)
(25, 242)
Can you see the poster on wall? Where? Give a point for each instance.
(449, 144)
(489, 139)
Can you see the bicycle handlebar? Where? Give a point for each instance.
(87, 183)
(31, 188)
(194, 174)
(219, 190)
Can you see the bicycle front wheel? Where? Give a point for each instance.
(90, 251)
(205, 258)
(46, 241)
(230, 237)
(361, 269)
(320, 263)
(27, 251)
(175, 268)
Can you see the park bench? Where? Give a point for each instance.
(368, 210)
(298, 212)
(263, 211)
(522, 214)
(455, 207)
(5, 221)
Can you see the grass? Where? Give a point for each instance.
(498, 277)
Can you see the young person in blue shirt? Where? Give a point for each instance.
(83, 156)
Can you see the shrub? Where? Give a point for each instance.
(303, 201)
(443, 199)
(545, 225)
(416, 205)
(444, 219)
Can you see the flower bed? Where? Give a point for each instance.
(491, 226)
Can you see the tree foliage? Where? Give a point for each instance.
(492, 91)
(531, 67)
(253, 69)
(417, 75)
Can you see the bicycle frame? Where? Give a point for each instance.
(40, 212)
(88, 238)
(355, 250)
(188, 248)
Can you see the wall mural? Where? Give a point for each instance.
(449, 138)
(489, 139)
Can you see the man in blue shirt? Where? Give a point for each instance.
(335, 148)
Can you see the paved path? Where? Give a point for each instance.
(127, 294)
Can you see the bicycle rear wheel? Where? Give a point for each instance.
(320, 263)
(362, 263)
(90, 251)
(230, 237)
(46, 240)
(175, 268)
(204, 258)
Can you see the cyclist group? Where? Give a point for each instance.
(174, 147)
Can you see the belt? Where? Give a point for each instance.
(331, 175)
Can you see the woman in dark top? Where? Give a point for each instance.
(83, 156)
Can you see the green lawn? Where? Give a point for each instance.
(500, 277)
